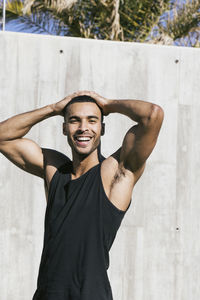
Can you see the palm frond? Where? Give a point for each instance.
(38, 21)
(52, 5)
(13, 8)
(182, 23)
(158, 21)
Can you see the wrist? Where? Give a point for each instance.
(53, 109)
(109, 106)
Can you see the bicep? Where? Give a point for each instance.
(25, 154)
(140, 141)
(137, 146)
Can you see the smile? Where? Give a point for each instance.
(82, 141)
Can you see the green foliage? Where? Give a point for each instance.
(89, 19)
(183, 24)
(14, 8)
(158, 21)
(138, 17)
(126, 20)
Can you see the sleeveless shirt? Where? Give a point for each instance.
(80, 226)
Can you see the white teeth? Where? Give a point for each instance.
(83, 139)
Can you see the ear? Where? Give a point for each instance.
(102, 128)
(64, 128)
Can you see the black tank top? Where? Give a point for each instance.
(80, 227)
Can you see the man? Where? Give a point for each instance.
(87, 197)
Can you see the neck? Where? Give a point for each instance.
(81, 164)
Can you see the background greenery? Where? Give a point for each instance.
(166, 22)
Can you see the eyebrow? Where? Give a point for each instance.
(88, 117)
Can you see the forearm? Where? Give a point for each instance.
(138, 111)
(19, 125)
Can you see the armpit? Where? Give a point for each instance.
(119, 175)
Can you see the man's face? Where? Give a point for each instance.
(83, 127)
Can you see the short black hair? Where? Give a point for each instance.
(81, 99)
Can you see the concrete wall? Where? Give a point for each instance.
(156, 254)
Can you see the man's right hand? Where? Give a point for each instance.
(59, 106)
(24, 153)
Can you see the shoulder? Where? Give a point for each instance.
(118, 181)
(113, 172)
(113, 168)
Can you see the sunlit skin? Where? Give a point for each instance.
(83, 128)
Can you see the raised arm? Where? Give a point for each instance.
(140, 140)
(23, 152)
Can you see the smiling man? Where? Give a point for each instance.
(87, 197)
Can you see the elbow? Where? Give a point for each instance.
(155, 117)
(157, 113)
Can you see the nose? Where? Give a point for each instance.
(83, 126)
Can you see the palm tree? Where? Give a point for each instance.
(158, 21)
(124, 20)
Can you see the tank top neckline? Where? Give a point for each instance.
(83, 175)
